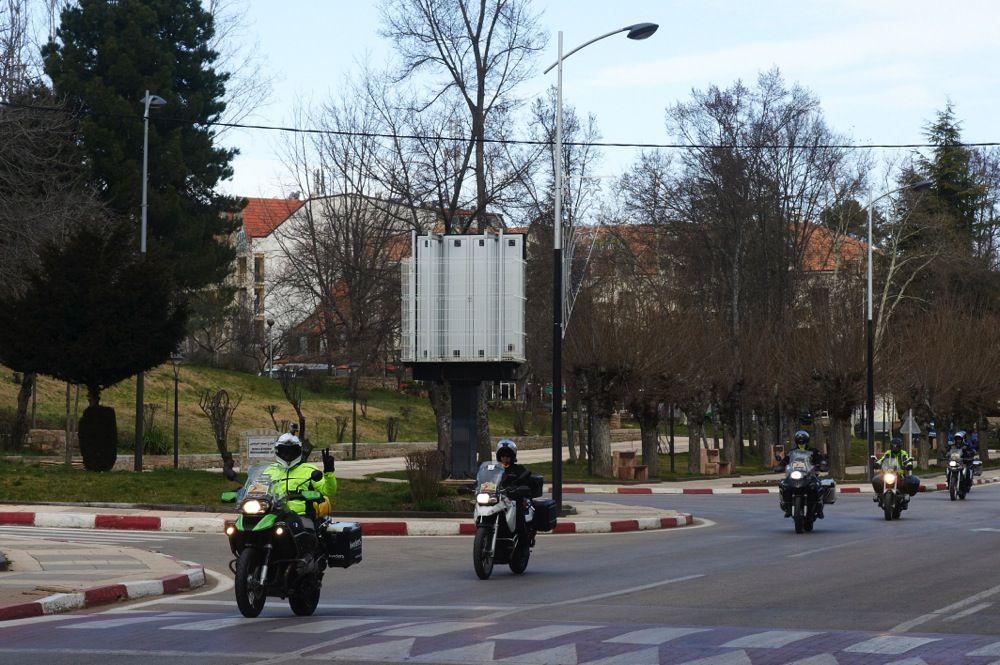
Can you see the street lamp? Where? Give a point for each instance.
(870, 424)
(270, 349)
(637, 31)
(354, 409)
(176, 359)
(149, 102)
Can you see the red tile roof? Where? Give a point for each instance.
(261, 216)
(827, 250)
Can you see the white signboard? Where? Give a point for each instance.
(260, 446)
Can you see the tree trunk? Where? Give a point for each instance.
(694, 444)
(650, 433)
(20, 429)
(839, 442)
(767, 443)
(819, 438)
(484, 446)
(728, 441)
(440, 397)
(581, 434)
(715, 428)
(923, 452)
(602, 445)
(570, 424)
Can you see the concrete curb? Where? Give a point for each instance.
(192, 578)
(414, 527)
(632, 489)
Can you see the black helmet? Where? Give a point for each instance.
(802, 438)
(896, 443)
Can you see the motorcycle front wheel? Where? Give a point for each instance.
(952, 490)
(798, 515)
(482, 558)
(888, 506)
(249, 594)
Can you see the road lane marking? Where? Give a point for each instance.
(771, 639)
(890, 645)
(393, 651)
(540, 633)
(223, 584)
(821, 659)
(988, 529)
(327, 626)
(103, 624)
(481, 652)
(643, 657)
(967, 612)
(731, 658)
(654, 636)
(561, 655)
(347, 606)
(217, 624)
(434, 629)
(954, 607)
(830, 547)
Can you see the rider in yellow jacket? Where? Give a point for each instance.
(290, 474)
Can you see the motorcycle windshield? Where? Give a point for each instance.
(801, 461)
(890, 464)
(489, 477)
(955, 454)
(258, 484)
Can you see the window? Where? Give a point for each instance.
(511, 242)
(258, 300)
(241, 270)
(258, 268)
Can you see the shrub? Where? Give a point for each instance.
(98, 438)
(423, 470)
(156, 442)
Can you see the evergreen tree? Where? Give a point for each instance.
(108, 54)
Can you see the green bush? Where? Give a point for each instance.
(98, 438)
(423, 470)
(156, 442)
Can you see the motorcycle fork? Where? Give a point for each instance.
(263, 569)
(496, 530)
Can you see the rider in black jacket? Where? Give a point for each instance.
(801, 443)
(515, 476)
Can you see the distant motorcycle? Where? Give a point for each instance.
(893, 500)
(804, 490)
(498, 539)
(961, 470)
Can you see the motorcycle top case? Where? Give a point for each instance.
(545, 515)
(535, 482)
(343, 544)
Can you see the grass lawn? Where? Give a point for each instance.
(25, 482)
(257, 392)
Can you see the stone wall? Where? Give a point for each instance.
(50, 441)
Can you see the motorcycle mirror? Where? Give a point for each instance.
(228, 497)
(316, 476)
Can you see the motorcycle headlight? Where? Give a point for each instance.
(485, 499)
(252, 507)
(953, 463)
(796, 475)
(890, 478)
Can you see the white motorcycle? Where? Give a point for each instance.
(498, 539)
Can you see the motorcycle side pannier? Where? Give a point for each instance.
(829, 490)
(536, 482)
(546, 513)
(343, 544)
(977, 468)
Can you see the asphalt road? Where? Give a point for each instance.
(739, 588)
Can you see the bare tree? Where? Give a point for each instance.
(219, 409)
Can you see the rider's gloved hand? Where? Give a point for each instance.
(328, 463)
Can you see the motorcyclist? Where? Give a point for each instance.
(968, 448)
(909, 483)
(290, 474)
(515, 477)
(800, 442)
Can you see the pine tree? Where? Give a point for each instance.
(109, 53)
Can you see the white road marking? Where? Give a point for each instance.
(481, 652)
(771, 639)
(562, 655)
(821, 659)
(13, 623)
(543, 632)
(988, 650)
(216, 624)
(967, 612)
(731, 658)
(909, 661)
(643, 657)
(314, 627)
(954, 607)
(75, 535)
(988, 529)
(654, 636)
(103, 624)
(824, 549)
(380, 652)
(223, 583)
(891, 645)
(434, 629)
(344, 606)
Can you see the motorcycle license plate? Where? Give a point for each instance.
(798, 466)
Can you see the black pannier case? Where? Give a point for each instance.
(343, 544)
(545, 515)
(536, 482)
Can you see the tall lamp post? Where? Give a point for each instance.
(354, 409)
(150, 102)
(636, 31)
(870, 424)
(176, 359)
(270, 349)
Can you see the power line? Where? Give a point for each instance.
(504, 141)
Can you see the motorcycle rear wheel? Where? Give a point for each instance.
(250, 596)
(304, 603)
(519, 558)
(481, 559)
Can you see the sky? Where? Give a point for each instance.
(881, 68)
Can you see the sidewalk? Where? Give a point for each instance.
(591, 517)
(47, 576)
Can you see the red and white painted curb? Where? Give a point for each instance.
(415, 527)
(192, 578)
(661, 489)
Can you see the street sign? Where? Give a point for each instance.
(910, 427)
(260, 446)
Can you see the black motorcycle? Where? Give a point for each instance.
(803, 493)
(280, 553)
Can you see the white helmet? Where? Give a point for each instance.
(288, 450)
(509, 446)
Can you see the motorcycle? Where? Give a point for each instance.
(893, 500)
(961, 469)
(804, 490)
(498, 538)
(280, 553)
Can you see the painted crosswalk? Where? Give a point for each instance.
(88, 536)
(356, 636)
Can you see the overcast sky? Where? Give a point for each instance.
(880, 68)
